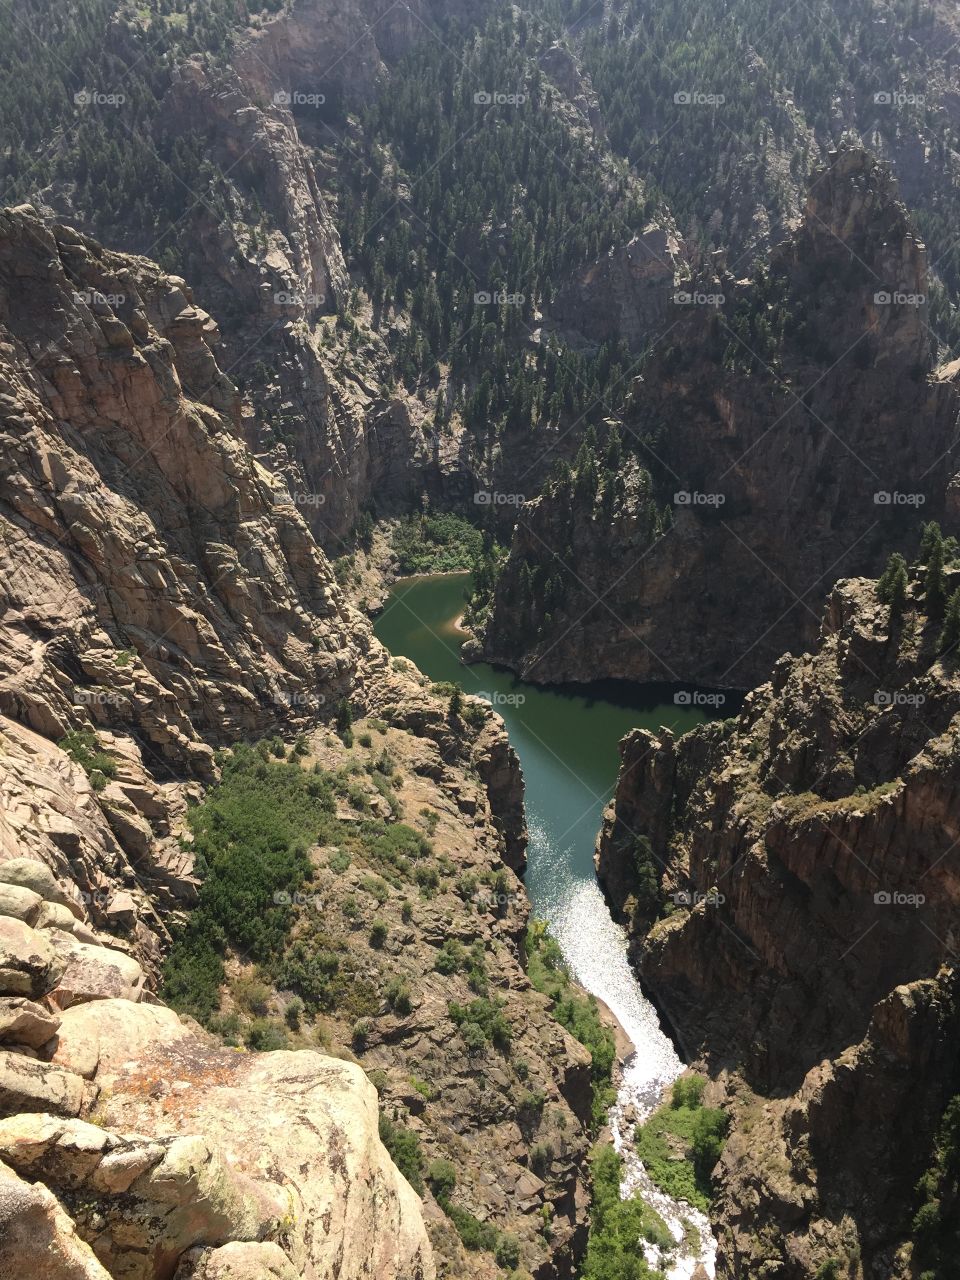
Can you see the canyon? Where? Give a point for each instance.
(644, 324)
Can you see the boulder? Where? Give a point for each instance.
(64, 1153)
(23, 1022)
(22, 904)
(27, 1085)
(38, 1240)
(37, 876)
(128, 1030)
(236, 1261)
(316, 1121)
(53, 915)
(122, 911)
(161, 1199)
(29, 965)
(95, 973)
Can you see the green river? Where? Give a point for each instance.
(566, 739)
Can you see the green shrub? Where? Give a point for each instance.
(264, 1035)
(473, 1037)
(688, 1091)
(530, 1105)
(475, 714)
(506, 1251)
(360, 1034)
(314, 973)
(436, 543)
(697, 1131)
(579, 1014)
(344, 719)
(709, 1132)
(487, 1017)
(617, 1225)
(404, 1148)
(83, 747)
(936, 1225)
(441, 1177)
(250, 837)
(431, 820)
(474, 1235)
(398, 996)
(450, 957)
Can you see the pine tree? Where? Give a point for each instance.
(892, 587)
(934, 591)
(950, 635)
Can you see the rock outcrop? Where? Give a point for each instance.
(171, 1178)
(127, 1146)
(792, 427)
(154, 577)
(627, 295)
(803, 938)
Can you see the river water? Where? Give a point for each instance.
(567, 743)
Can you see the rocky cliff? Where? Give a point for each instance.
(166, 611)
(799, 936)
(785, 430)
(156, 579)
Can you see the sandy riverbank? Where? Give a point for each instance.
(624, 1045)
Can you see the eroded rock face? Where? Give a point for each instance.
(153, 578)
(807, 864)
(37, 1237)
(784, 466)
(628, 294)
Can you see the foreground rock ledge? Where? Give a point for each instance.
(308, 1191)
